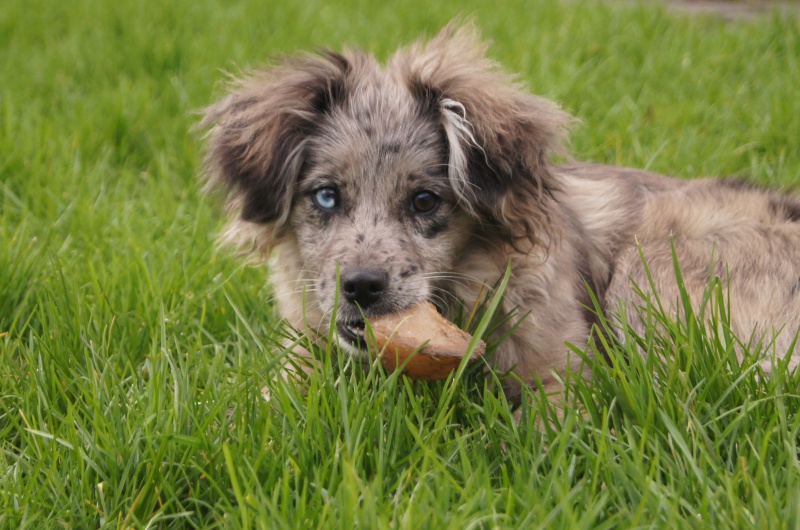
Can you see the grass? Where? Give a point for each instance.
(125, 336)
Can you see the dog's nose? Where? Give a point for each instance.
(364, 286)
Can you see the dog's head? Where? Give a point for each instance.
(381, 176)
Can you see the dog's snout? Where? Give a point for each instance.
(364, 286)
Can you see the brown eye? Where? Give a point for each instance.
(424, 202)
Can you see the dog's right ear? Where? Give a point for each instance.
(500, 138)
(258, 132)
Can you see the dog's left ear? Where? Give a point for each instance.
(500, 138)
(257, 136)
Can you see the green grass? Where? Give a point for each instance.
(125, 336)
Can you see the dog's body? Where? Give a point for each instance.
(421, 180)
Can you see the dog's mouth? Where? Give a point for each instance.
(352, 332)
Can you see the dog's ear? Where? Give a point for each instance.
(257, 133)
(500, 138)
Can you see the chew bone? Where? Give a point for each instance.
(399, 335)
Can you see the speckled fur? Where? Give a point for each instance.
(442, 117)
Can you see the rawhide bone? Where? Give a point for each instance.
(399, 335)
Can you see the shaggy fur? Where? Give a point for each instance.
(442, 123)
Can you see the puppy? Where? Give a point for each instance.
(421, 180)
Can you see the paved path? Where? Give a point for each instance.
(733, 9)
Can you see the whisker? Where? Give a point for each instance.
(459, 279)
(302, 290)
(461, 276)
(443, 296)
(306, 280)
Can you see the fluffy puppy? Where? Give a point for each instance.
(421, 180)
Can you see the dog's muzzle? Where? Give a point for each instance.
(363, 289)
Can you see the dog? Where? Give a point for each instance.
(423, 178)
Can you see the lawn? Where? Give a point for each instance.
(133, 349)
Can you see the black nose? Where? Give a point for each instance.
(364, 286)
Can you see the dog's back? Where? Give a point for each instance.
(746, 237)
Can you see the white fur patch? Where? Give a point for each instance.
(459, 133)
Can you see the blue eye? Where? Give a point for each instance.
(326, 198)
